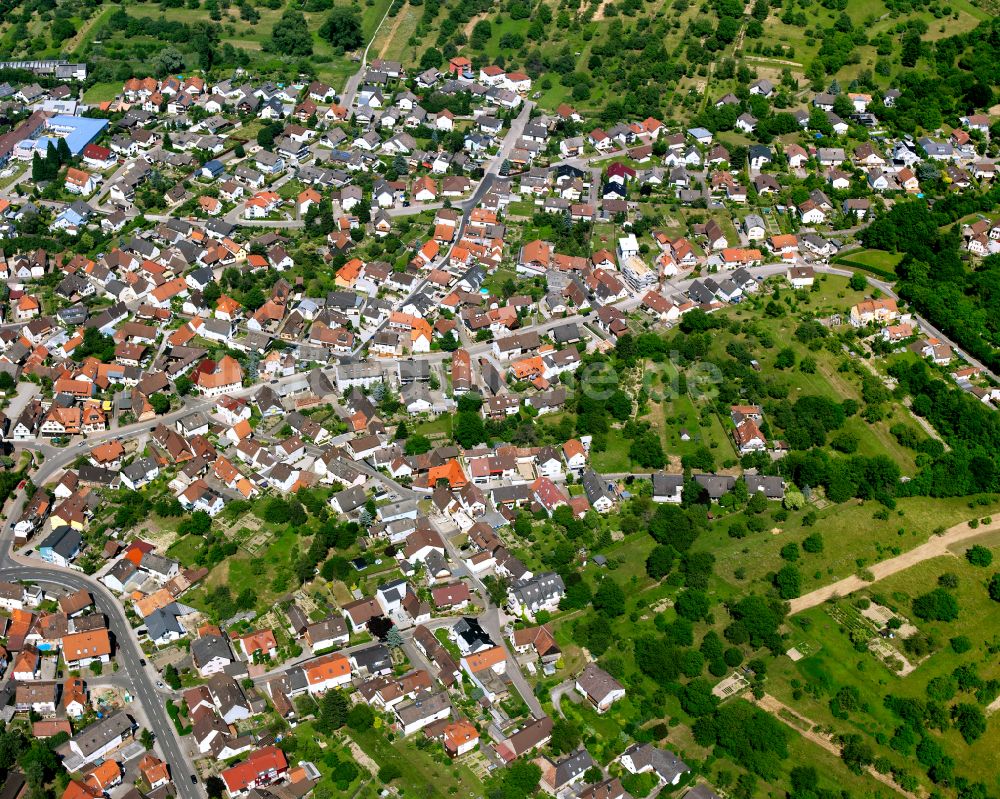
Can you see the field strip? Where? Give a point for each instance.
(782, 712)
(935, 547)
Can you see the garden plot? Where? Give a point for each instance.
(881, 615)
(802, 649)
(732, 686)
(863, 627)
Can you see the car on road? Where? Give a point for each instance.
(194, 779)
(142, 662)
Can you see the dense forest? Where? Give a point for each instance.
(962, 302)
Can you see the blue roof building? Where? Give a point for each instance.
(77, 131)
(213, 168)
(61, 546)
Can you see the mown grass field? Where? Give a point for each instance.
(879, 259)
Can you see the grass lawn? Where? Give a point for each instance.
(291, 190)
(19, 168)
(494, 282)
(880, 259)
(185, 549)
(435, 428)
(102, 92)
(425, 773)
(267, 572)
(834, 663)
(522, 208)
(393, 38)
(845, 549)
(615, 458)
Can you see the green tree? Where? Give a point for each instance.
(788, 581)
(979, 555)
(856, 753)
(360, 718)
(481, 34)
(389, 772)
(660, 561)
(171, 677)
(291, 35)
(160, 403)
(417, 445)
(969, 721)
(566, 736)
(936, 605)
(469, 429)
(692, 605)
(790, 552)
(647, 451)
(609, 598)
(333, 712)
(61, 30)
(215, 787)
(785, 359)
(342, 28)
(519, 780)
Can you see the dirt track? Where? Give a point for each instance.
(937, 546)
(775, 707)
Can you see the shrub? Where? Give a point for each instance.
(936, 605)
(389, 772)
(790, 552)
(979, 556)
(948, 580)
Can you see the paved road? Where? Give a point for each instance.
(564, 690)
(936, 547)
(140, 680)
(490, 617)
(351, 87)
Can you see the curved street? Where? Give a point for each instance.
(139, 680)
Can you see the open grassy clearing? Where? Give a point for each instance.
(876, 258)
(267, 572)
(422, 775)
(102, 92)
(835, 663)
(853, 538)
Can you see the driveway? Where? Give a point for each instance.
(25, 392)
(565, 690)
